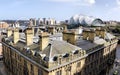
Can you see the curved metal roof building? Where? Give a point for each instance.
(85, 20)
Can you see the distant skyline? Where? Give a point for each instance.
(59, 9)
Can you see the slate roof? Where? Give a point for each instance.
(58, 47)
(109, 36)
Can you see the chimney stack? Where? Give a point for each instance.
(85, 34)
(89, 34)
(103, 33)
(97, 31)
(51, 30)
(9, 32)
(92, 35)
(100, 32)
(29, 36)
(69, 37)
(16, 35)
(44, 40)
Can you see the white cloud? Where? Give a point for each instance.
(77, 2)
(118, 2)
(115, 9)
(90, 1)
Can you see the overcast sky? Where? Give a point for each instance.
(59, 9)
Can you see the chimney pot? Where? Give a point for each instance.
(16, 35)
(44, 40)
(9, 32)
(29, 36)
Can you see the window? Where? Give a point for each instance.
(78, 73)
(19, 58)
(32, 69)
(68, 40)
(25, 70)
(78, 64)
(40, 72)
(59, 73)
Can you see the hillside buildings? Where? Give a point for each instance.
(32, 22)
(3, 26)
(89, 53)
(42, 21)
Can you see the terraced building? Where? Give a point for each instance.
(91, 53)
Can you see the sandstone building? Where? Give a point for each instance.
(3, 25)
(91, 53)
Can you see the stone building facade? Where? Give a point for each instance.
(4, 25)
(92, 53)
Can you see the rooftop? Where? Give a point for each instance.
(56, 47)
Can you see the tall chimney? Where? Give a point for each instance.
(9, 32)
(100, 32)
(44, 40)
(51, 30)
(16, 35)
(85, 34)
(103, 33)
(65, 27)
(97, 31)
(89, 34)
(29, 36)
(92, 35)
(69, 37)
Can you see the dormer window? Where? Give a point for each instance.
(55, 58)
(28, 50)
(46, 58)
(76, 52)
(36, 54)
(66, 55)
